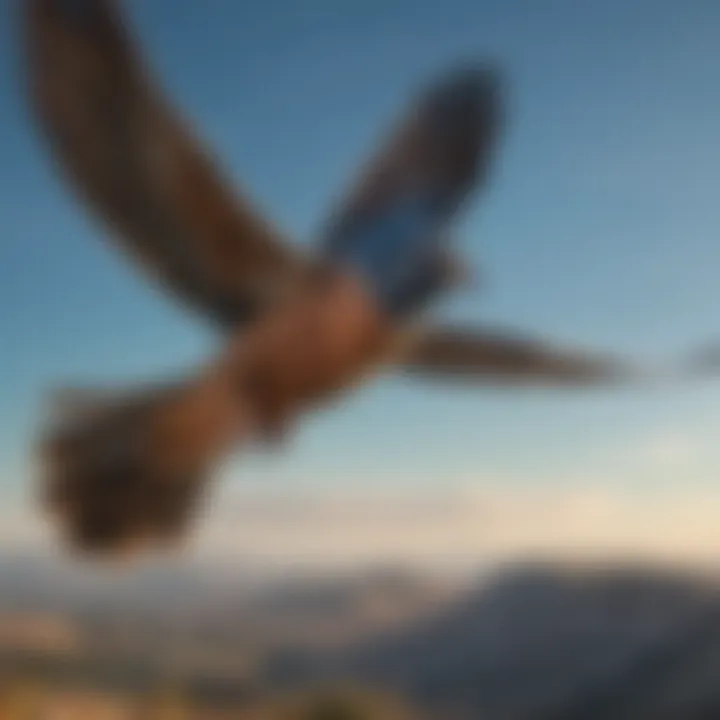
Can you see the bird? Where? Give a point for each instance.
(126, 470)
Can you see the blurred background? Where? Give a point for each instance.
(450, 552)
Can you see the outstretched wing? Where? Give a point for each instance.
(497, 357)
(392, 229)
(140, 168)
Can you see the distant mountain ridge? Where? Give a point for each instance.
(530, 641)
(549, 642)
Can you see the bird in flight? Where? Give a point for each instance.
(127, 469)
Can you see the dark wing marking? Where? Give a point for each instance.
(445, 142)
(497, 357)
(393, 225)
(140, 168)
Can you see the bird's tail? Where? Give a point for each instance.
(126, 470)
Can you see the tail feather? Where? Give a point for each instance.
(130, 471)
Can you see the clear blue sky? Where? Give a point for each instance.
(601, 226)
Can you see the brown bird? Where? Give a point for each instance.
(128, 468)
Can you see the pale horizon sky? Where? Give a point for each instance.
(600, 228)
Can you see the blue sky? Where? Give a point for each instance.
(600, 227)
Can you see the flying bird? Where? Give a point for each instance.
(127, 469)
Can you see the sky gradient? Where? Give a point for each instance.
(600, 227)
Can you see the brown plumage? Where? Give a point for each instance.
(299, 329)
(141, 170)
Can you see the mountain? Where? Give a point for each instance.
(549, 642)
(530, 641)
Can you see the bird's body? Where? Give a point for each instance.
(297, 330)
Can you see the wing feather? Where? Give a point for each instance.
(498, 357)
(140, 168)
